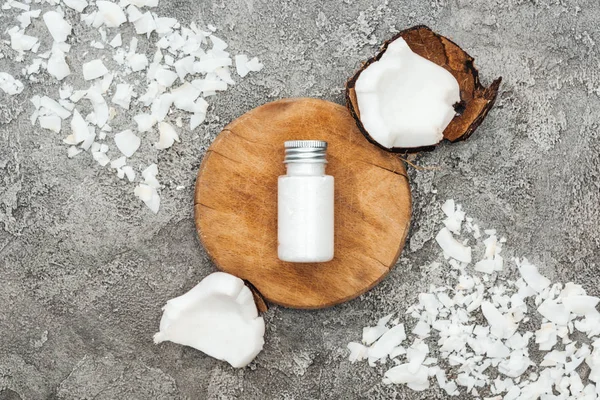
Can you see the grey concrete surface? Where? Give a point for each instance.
(85, 267)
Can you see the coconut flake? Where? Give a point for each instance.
(149, 196)
(218, 317)
(9, 84)
(358, 352)
(58, 27)
(123, 95)
(402, 374)
(54, 107)
(101, 158)
(452, 247)
(129, 173)
(168, 136)
(94, 69)
(387, 342)
(254, 65)
(116, 41)
(51, 122)
(531, 275)
(111, 15)
(77, 5)
(57, 65)
(240, 65)
(144, 122)
(127, 142)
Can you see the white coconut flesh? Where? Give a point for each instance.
(218, 317)
(405, 100)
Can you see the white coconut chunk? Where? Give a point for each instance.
(79, 128)
(581, 305)
(224, 74)
(9, 84)
(149, 175)
(110, 13)
(165, 25)
(129, 172)
(209, 85)
(101, 111)
(416, 355)
(57, 65)
(21, 42)
(94, 69)
(401, 374)
(58, 27)
(196, 120)
(73, 151)
(101, 158)
(116, 41)
(185, 97)
(218, 43)
(184, 66)
(78, 5)
(485, 266)
(218, 317)
(25, 18)
(497, 350)
(372, 333)
(240, 65)
(161, 105)
(89, 140)
(133, 13)
(149, 196)
(254, 65)
(452, 247)
(145, 24)
(127, 142)
(502, 326)
(138, 62)
(515, 365)
(404, 99)
(422, 329)
(546, 336)
(554, 358)
(123, 95)
(554, 312)
(105, 83)
(144, 122)
(358, 352)
(531, 275)
(168, 136)
(51, 122)
(387, 342)
(165, 77)
(54, 107)
(571, 289)
(118, 162)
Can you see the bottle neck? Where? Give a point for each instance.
(305, 169)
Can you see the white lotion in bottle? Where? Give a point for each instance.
(305, 204)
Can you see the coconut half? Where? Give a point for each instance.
(419, 89)
(218, 317)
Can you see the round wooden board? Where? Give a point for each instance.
(236, 204)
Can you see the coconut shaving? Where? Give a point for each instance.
(470, 338)
(188, 65)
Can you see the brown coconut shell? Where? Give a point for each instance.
(476, 100)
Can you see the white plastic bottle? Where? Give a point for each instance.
(305, 204)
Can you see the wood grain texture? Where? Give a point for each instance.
(236, 204)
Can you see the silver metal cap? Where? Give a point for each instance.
(305, 151)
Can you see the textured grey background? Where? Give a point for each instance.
(85, 267)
